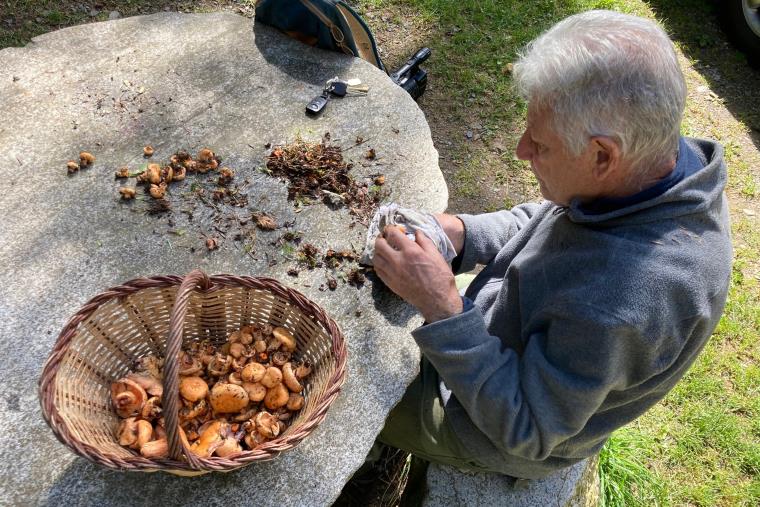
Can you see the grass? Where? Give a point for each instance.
(701, 445)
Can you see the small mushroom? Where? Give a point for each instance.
(72, 167)
(205, 155)
(239, 363)
(228, 398)
(85, 158)
(234, 378)
(276, 397)
(246, 338)
(285, 338)
(290, 379)
(151, 365)
(127, 193)
(230, 446)
(128, 397)
(253, 439)
(144, 434)
(260, 346)
(220, 365)
(179, 174)
(237, 349)
(151, 384)
(280, 357)
(251, 412)
(253, 372)
(210, 439)
(256, 391)
(188, 365)
(191, 412)
(153, 173)
(158, 191)
(295, 402)
(303, 370)
(234, 337)
(151, 409)
(193, 388)
(155, 449)
(267, 425)
(127, 432)
(272, 377)
(148, 151)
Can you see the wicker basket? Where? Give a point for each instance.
(157, 316)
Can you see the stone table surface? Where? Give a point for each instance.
(180, 81)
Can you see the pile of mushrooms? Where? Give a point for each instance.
(234, 397)
(157, 177)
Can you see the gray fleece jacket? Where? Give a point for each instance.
(581, 321)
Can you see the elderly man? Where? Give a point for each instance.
(593, 303)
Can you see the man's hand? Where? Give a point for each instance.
(417, 272)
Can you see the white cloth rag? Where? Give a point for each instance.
(411, 221)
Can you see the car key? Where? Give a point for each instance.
(318, 103)
(338, 88)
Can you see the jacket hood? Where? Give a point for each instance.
(693, 194)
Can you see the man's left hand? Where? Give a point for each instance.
(416, 271)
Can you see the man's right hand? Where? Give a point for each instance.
(454, 229)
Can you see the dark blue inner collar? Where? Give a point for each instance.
(685, 166)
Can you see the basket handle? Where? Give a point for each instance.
(177, 448)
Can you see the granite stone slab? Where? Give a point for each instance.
(576, 486)
(180, 81)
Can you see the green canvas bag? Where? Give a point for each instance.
(327, 24)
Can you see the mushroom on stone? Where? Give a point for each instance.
(128, 397)
(85, 158)
(228, 398)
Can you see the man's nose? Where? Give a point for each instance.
(523, 150)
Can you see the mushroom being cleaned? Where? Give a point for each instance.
(228, 398)
(127, 397)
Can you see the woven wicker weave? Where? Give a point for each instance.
(159, 315)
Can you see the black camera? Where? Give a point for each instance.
(410, 76)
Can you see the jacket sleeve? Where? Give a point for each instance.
(529, 405)
(486, 234)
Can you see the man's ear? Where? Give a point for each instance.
(607, 154)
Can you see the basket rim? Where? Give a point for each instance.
(266, 451)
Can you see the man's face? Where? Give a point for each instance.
(561, 175)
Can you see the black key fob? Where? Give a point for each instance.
(317, 104)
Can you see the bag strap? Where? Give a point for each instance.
(335, 31)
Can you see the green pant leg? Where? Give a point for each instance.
(418, 424)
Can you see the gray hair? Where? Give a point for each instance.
(610, 74)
